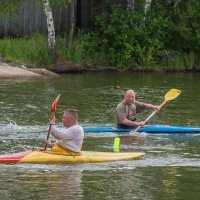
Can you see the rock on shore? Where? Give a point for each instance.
(7, 72)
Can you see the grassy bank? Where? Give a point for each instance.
(33, 52)
(30, 51)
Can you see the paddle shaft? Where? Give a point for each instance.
(148, 118)
(48, 134)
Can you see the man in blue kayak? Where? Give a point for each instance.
(128, 108)
(69, 140)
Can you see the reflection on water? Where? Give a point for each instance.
(42, 184)
(169, 170)
(117, 182)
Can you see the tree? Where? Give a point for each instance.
(50, 28)
(72, 22)
(130, 5)
(9, 7)
(147, 5)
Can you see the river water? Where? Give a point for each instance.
(169, 170)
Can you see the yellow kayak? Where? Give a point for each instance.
(48, 157)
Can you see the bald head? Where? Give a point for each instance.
(129, 97)
(129, 92)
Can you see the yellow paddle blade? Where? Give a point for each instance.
(172, 94)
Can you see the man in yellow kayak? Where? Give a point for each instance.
(128, 108)
(69, 140)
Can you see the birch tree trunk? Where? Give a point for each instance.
(130, 5)
(50, 28)
(147, 5)
(72, 22)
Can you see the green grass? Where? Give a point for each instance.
(31, 51)
(190, 60)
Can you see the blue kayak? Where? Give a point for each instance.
(147, 129)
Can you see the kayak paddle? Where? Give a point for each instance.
(53, 110)
(170, 95)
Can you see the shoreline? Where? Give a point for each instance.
(15, 71)
(70, 67)
(12, 71)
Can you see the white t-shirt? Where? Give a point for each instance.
(69, 138)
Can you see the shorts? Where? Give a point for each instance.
(58, 149)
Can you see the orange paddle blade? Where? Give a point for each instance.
(55, 104)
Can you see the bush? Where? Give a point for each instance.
(126, 38)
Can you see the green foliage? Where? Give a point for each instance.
(167, 35)
(126, 38)
(183, 24)
(33, 52)
(9, 7)
(190, 60)
(71, 54)
(75, 52)
(29, 51)
(175, 63)
(131, 38)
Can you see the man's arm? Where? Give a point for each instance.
(132, 123)
(151, 106)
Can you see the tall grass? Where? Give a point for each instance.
(74, 53)
(190, 60)
(174, 61)
(31, 51)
